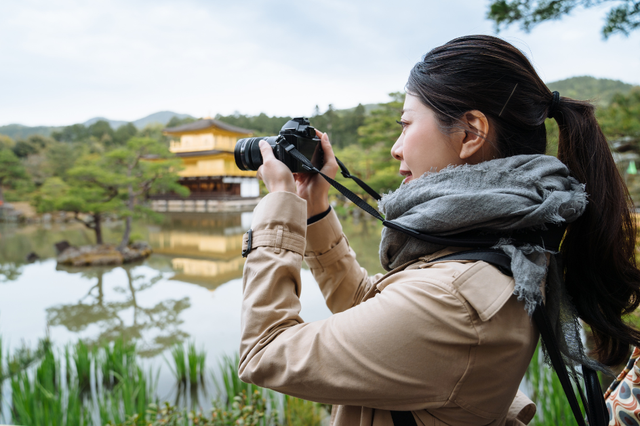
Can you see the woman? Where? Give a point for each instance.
(449, 341)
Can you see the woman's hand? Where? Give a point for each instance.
(275, 175)
(313, 187)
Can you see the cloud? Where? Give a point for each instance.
(65, 61)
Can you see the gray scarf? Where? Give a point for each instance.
(514, 193)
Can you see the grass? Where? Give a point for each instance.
(104, 385)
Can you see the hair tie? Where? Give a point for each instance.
(554, 104)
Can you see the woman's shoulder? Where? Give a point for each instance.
(475, 283)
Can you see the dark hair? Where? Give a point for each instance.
(488, 74)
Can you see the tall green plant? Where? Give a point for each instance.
(47, 398)
(82, 357)
(547, 393)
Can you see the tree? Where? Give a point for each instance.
(33, 145)
(124, 133)
(101, 130)
(74, 133)
(622, 117)
(6, 142)
(370, 159)
(175, 121)
(11, 171)
(145, 166)
(93, 190)
(622, 18)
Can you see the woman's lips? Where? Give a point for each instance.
(407, 175)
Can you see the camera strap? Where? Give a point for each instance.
(549, 238)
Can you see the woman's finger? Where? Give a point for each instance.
(330, 166)
(266, 151)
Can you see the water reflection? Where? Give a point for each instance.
(9, 272)
(190, 289)
(204, 249)
(108, 314)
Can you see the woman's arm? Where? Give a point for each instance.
(333, 263)
(391, 352)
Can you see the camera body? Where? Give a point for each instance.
(298, 132)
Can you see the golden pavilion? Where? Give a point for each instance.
(216, 184)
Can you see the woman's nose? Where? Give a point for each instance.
(396, 150)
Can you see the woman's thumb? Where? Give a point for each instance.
(265, 150)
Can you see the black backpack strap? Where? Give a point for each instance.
(548, 337)
(598, 413)
(594, 403)
(403, 418)
(495, 257)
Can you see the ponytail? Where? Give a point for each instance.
(598, 251)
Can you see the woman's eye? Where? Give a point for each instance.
(402, 123)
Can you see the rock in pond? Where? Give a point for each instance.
(104, 254)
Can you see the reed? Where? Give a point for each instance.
(46, 397)
(58, 390)
(193, 361)
(231, 385)
(179, 367)
(548, 395)
(1, 365)
(82, 357)
(117, 360)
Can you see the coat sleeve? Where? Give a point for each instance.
(392, 351)
(333, 264)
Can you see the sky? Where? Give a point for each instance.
(66, 61)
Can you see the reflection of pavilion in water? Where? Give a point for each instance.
(205, 249)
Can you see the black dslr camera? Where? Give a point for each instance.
(296, 132)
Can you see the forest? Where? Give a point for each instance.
(76, 166)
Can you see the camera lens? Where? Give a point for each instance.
(247, 152)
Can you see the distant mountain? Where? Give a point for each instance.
(18, 131)
(598, 90)
(161, 117)
(113, 123)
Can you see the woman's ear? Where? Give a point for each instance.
(475, 144)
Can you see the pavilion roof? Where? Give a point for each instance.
(204, 124)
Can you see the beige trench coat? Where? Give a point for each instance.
(447, 341)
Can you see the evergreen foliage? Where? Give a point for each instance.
(262, 124)
(12, 172)
(370, 158)
(623, 18)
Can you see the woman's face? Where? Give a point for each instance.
(422, 147)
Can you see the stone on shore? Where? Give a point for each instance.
(104, 254)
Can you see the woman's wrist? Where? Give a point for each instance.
(314, 209)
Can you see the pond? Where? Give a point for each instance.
(189, 290)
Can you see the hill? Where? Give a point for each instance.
(18, 131)
(161, 117)
(598, 90)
